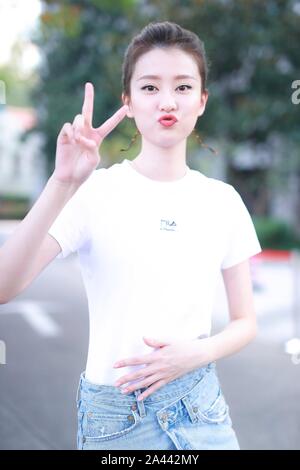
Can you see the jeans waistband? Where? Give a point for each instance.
(87, 390)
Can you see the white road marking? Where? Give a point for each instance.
(35, 315)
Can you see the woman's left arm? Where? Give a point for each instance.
(242, 327)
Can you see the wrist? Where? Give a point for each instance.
(203, 352)
(69, 188)
(208, 347)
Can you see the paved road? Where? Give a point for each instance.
(46, 334)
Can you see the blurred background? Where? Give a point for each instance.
(49, 49)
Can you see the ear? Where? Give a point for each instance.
(125, 100)
(203, 101)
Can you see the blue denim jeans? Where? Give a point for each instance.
(188, 413)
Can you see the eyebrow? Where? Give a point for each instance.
(156, 77)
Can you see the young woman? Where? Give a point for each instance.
(152, 236)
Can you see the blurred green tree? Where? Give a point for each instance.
(253, 46)
(80, 41)
(254, 51)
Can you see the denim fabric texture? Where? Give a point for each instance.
(189, 413)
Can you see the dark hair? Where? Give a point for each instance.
(163, 34)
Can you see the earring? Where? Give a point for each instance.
(204, 145)
(132, 141)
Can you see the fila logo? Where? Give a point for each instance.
(167, 225)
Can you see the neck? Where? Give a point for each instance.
(163, 164)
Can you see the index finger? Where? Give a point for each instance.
(88, 104)
(112, 122)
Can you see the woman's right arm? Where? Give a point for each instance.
(30, 248)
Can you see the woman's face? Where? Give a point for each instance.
(152, 98)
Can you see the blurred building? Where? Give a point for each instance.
(22, 163)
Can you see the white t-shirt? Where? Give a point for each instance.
(150, 253)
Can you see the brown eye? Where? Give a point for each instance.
(181, 86)
(148, 86)
(186, 86)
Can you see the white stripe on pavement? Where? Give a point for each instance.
(35, 315)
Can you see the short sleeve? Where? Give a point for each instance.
(242, 242)
(71, 227)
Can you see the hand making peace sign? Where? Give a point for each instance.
(77, 149)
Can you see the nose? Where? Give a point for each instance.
(167, 109)
(168, 104)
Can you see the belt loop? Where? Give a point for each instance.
(140, 404)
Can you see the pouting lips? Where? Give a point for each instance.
(167, 122)
(168, 117)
